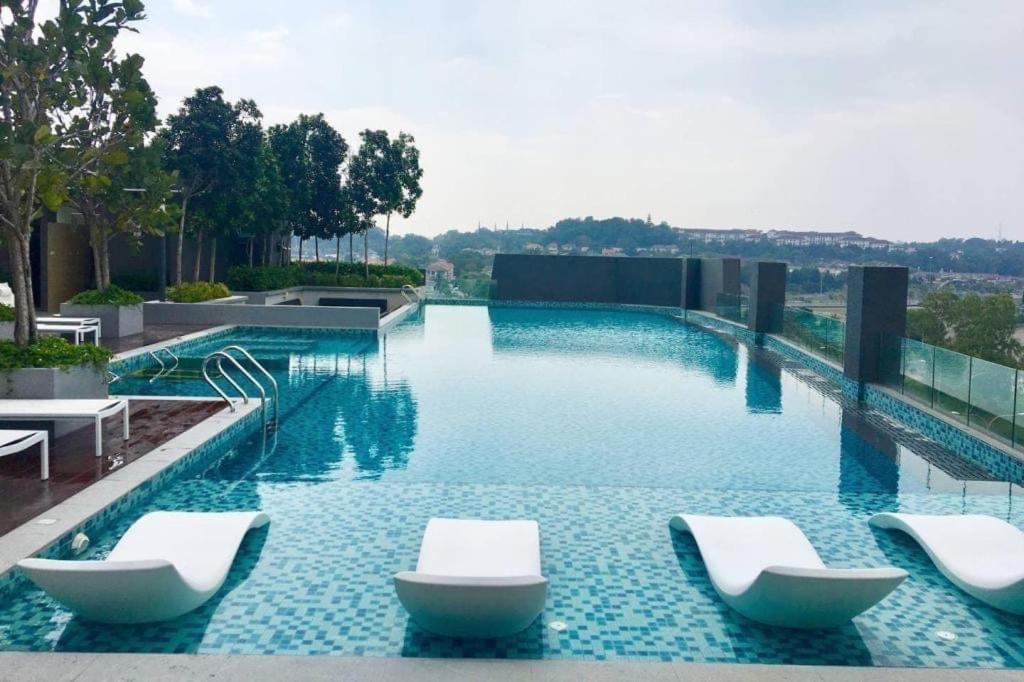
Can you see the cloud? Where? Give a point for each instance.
(192, 8)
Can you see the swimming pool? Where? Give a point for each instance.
(600, 424)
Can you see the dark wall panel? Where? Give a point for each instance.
(589, 279)
(876, 315)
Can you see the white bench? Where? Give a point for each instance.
(44, 410)
(14, 441)
(79, 330)
(73, 321)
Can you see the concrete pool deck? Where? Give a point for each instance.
(85, 667)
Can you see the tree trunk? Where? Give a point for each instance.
(387, 236)
(213, 257)
(21, 284)
(366, 254)
(316, 248)
(104, 259)
(251, 247)
(199, 257)
(97, 257)
(351, 253)
(178, 268)
(300, 250)
(337, 260)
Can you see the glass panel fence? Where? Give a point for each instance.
(731, 307)
(982, 394)
(818, 333)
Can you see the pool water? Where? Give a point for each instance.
(600, 425)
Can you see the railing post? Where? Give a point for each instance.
(1013, 420)
(970, 381)
(932, 395)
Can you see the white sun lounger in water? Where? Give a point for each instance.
(165, 565)
(982, 555)
(765, 568)
(475, 578)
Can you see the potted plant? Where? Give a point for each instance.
(51, 367)
(197, 292)
(119, 310)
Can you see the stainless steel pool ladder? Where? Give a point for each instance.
(225, 353)
(164, 370)
(412, 289)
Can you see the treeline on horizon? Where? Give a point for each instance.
(974, 255)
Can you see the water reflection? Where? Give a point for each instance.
(615, 334)
(764, 384)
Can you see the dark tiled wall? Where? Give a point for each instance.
(876, 311)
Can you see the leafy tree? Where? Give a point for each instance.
(198, 144)
(980, 326)
(389, 175)
(50, 72)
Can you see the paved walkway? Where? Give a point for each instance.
(73, 464)
(156, 667)
(154, 333)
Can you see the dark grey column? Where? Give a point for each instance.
(691, 283)
(876, 314)
(767, 296)
(718, 276)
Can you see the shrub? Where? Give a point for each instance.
(197, 292)
(6, 313)
(268, 278)
(51, 351)
(112, 295)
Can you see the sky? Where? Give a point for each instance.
(900, 120)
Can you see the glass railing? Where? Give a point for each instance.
(731, 307)
(819, 334)
(473, 288)
(981, 394)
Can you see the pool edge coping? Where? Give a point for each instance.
(121, 666)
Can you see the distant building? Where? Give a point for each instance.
(611, 251)
(440, 270)
(533, 247)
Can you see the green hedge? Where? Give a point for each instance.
(6, 313)
(268, 278)
(197, 292)
(112, 295)
(51, 351)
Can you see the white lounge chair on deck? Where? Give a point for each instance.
(982, 555)
(475, 578)
(86, 408)
(765, 568)
(13, 441)
(165, 565)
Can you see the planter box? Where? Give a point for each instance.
(118, 320)
(81, 381)
(6, 331)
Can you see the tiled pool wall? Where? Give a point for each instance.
(199, 458)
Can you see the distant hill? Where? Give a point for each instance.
(473, 251)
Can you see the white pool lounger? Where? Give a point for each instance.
(982, 555)
(765, 568)
(70, 408)
(165, 565)
(475, 578)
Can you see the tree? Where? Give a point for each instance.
(50, 72)
(389, 172)
(311, 153)
(198, 144)
(980, 326)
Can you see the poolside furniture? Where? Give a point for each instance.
(79, 331)
(765, 568)
(86, 408)
(982, 555)
(475, 578)
(14, 441)
(165, 565)
(74, 321)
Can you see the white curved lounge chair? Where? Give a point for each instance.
(165, 565)
(475, 578)
(982, 555)
(765, 568)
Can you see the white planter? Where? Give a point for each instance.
(117, 320)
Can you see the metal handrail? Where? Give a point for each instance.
(163, 368)
(258, 365)
(413, 290)
(215, 387)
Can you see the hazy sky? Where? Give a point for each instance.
(900, 120)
